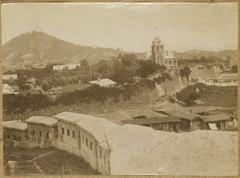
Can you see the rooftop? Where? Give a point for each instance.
(214, 118)
(68, 117)
(182, 114)
(116, 117)
(169, 55)
(138, 150)
(103, 82)
(98, 127)
(144, 121)
(15, 124)
(136, 113)
(48, 121)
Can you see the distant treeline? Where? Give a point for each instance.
(205, 60)
(17, 104)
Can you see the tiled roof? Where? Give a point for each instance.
(215, 118)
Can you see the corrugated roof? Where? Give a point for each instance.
(18, 125)
(215, 118)
(140, 112)
(144, 121)
(182, 114)
(49, 121)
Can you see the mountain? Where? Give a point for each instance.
(197, 54)
(36, 49)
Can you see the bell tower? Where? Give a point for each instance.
(157, 51)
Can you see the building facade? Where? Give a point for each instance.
(84, 136)
(42, 131)
(9, 77)
(15, 132)
(163, 57)
(157, 51)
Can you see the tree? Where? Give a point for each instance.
(187, 72)
(191, 98)
(21, 83)
(85, 65)
(147, 68)
(121, 74)
(103, 67)
(234, 69)
(161, 80)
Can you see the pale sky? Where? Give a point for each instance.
(129, 26)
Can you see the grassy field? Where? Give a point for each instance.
(45, 161)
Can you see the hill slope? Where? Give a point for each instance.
(197, 54)
(38, 49)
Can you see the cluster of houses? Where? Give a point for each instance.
(7, 86)
(215, 76)
(60, 67)
(223, 80)
(96, 137)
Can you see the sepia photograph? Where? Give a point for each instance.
(120, 88)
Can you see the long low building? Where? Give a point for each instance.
(114, 149)
(149, 118)
(159, 123)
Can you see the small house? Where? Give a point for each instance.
(155, 120)
(59, 67)
(170, 60)
(189, 120)
(7, 77)
(104, 82)
(158, 123)
(15, 131)
(215, 122)
(42, 131)
(7, 89)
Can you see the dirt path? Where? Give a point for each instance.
(42, 155)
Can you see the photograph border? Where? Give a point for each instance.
(115, 1)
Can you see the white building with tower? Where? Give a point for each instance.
(163, 57)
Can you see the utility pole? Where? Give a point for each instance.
(191, 119)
